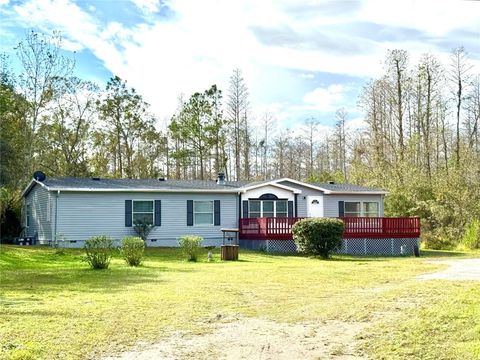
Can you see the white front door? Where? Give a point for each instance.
(315, 206)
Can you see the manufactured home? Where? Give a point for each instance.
(67, 211)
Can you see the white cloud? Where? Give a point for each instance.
(207, 39)
(325, 99)
(432, 16)
(355, 124)
(147, 6)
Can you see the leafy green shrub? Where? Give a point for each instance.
(445, 238)
(190, 245)
(318, 236)
(132, 250)
(99, 251)
(471, 237)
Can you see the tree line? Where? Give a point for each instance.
(420, 140)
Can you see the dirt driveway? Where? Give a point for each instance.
(252, 338)
(458, 270)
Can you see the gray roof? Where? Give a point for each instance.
(105, 184)
(346, 187)
(135, 184)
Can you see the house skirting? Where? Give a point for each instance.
(78, 244)
(363, 246)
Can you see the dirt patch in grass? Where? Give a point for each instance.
(459, 270)
(253, 338)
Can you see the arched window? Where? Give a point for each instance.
(268, 197)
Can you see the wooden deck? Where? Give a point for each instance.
(270, 228)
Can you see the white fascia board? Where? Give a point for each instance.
(304, 184)
(233, 191)
(332, 192)
(271, 183)
(30, 186)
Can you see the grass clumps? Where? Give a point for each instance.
(132, 250)
(99, 251)
(190, 246)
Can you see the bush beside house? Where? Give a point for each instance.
(190, 245)
(318, 236)
(132, 250)
(99, 251)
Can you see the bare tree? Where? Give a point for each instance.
(43, 68)
(237, 107)
(311, 130)
(459, 77)
(397, 61)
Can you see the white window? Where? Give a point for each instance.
(352, 209)
(370, 209)
(28, 215)
(255, 208)
(142, 212)
(267, 208)
(203, 212)
(357, 209)
(281, 209)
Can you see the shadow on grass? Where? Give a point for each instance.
(359, 258)
(79, 279)
(444, 253)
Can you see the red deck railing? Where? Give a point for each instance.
(355, 227)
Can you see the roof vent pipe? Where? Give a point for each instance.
(161, 179)
(96, 178)
(331, 182)
(221, 179)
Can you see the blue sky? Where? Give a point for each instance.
(299, 59)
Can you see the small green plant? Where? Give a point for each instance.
(471, 237)
(132, 250)
(318, 236)
(190, 245)
(99, 251)
(143, 229)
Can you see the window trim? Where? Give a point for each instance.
(143, 212)
(274, 207)
(347, 213)
(203, 212)
(362, 211)
(28, 215)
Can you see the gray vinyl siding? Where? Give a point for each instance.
(83, 215)
(40, 221)
(302, 199)
(330, 202)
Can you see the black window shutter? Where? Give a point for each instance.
(189, 212)
(290, 209)
(341, 208)
(128, 213)
(158, 212)
(245, 209)
(216, 212)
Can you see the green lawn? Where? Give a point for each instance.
(53, 306)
